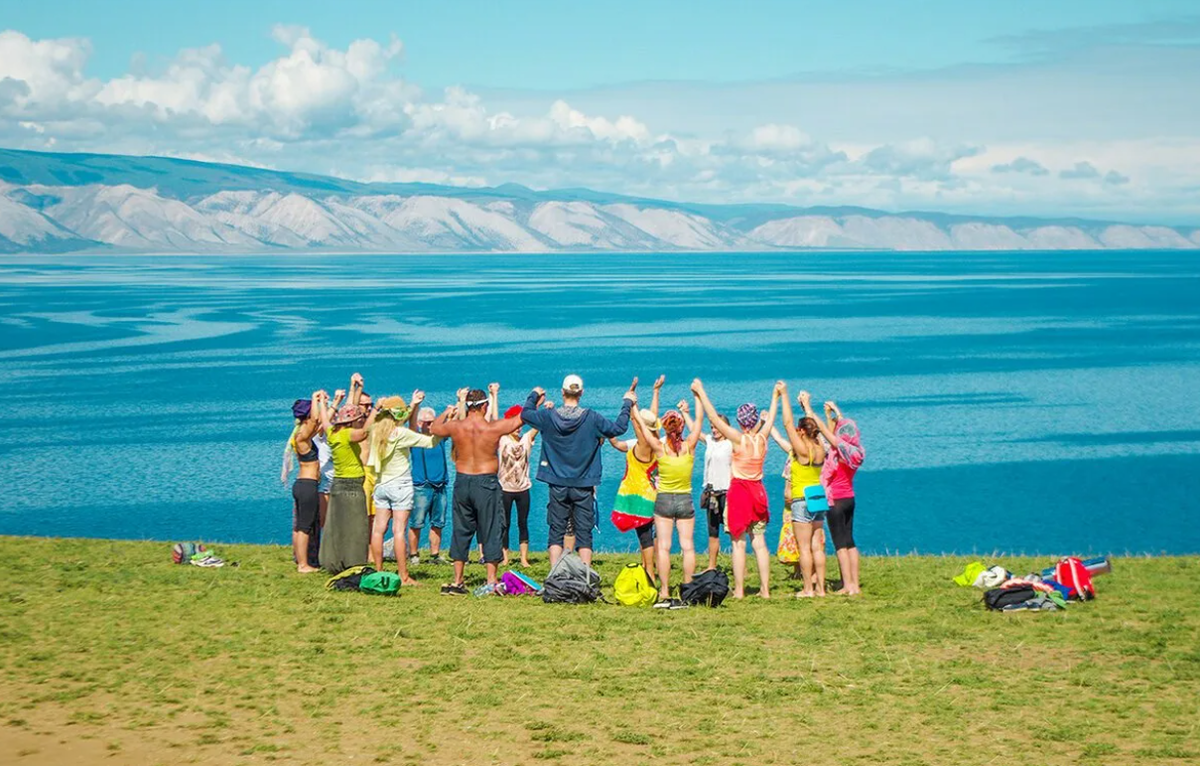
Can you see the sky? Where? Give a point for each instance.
(1084, 108)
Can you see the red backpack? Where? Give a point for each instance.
(1074, 576)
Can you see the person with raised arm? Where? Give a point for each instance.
(477, 494)
(306, 505)
(346, 537)
(391, 444)
(808, 458)
(842, 462)
(673, 508)
(570, 460)
(633, 507)
(718, 455)
(515, 449)
(746, 506)
(430, 474)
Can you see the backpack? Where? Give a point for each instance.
(515, 586)
(710, 588)
(633, 587)
(1000, 598)
(348, 579)
(380, 583)
(571, 582)
(1072, 573)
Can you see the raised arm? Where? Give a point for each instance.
(806, 402)
(493, 412)
(695, 427)
(789, 423)
(782, 442)
(619, 426)
(418, 396)
(644, 434)
(728, 431)
(658, 384)
(325, 409)
(356, 389)
(618, 444)
(358, 434)
(444, 426)
(531, 413)
(769, 422)
(461, 407)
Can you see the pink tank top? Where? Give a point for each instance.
(748, 459)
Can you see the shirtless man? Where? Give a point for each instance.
(477, 497)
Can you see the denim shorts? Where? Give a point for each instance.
(671, 505)
(800, 513)
(394, 495)
(428, 502)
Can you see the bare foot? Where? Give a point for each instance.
(804, 594)
(525, 563)
(410, 581)
(841, 592)
(739, 596)
(764, 594)
(821, 594)
(306, 569)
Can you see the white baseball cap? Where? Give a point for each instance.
(573, 384)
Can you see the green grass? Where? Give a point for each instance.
(109, 653)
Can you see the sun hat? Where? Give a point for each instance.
(513, 411)
(747, 416)
(347, 414)
(649, 421)
(301, 409)
(396, 407)
(573, 384)
(426, 414)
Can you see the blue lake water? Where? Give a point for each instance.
(1032, 402)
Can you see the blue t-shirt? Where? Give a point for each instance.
(429, 466)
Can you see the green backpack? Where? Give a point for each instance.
(633, 587)
(380, 583)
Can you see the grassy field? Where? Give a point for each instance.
(111, 654)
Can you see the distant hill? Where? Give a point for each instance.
(52, 203)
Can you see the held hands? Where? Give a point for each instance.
(805, 400)
(541, 395)
(356, 378)
(339, 394)
(682, 406)
(832, 411)
(697, 387)
(780, 388)
(659, 383)
(462, 393)
(493, 388)
(418, 396)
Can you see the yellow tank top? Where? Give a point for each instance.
(804, 474)
(675, 473)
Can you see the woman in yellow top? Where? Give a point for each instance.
(347, 531)
(808, 456)
(673, 508)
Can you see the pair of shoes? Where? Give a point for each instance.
(454, 589)
(488, 589)
(414, 560)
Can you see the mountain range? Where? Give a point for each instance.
(54, 203)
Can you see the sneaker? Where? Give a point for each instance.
(663, 603)
(487, 589)
(677, 604)
(440, 559)
(454, 589)
(414, 560)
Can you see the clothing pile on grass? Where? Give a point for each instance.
(1047, 591)
(196, 555)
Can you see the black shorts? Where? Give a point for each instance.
(306, 510)
(645, 535)
(476, 513)
(716, 511)
(571, 510)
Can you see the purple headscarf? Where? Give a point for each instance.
(747, 416)
(301, 409)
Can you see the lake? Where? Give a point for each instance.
(1028, 402)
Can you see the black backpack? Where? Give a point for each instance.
(571, 582)
(709, 588)
(998, 598)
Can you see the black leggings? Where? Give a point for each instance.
(645, 535)
(841, 523)
(306, 508)
(521, 500)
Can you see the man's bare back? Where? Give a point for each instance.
(476, 440)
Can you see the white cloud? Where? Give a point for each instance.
(347, 111)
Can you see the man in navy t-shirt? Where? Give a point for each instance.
(430, 479)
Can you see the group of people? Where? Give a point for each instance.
(364, 463)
